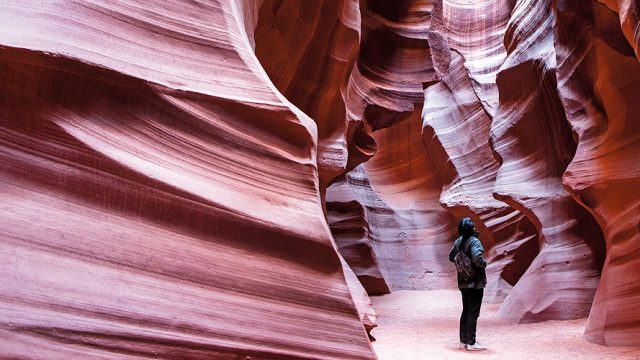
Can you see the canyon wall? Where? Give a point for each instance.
(599, 82)
(160, 197)
(213, 179)
(519, 98)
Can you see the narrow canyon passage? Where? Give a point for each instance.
(430, 111)
(275, 179)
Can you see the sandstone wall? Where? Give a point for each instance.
(213, 179)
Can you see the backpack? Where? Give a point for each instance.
(463, 261)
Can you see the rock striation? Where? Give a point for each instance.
(457, 116)
(598, 79)
(160, 196)
(570, 241)
(231, 179)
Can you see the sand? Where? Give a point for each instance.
(424, 325)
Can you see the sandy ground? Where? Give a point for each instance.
(424, 325)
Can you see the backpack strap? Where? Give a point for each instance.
(465, 242)
(458, 243)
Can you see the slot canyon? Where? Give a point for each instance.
(270, 179)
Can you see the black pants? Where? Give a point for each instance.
(471, 302)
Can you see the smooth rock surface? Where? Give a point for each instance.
(230, 178)
(600, 80)
(159, 196)
(531, 135)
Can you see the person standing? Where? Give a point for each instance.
(466, 254)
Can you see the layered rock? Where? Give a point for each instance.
(520, 163)
(410, 254)
(399, 189)
(599, 79)
(531, 136)
(457, 116)
(412, 231)
(349, 224)
(629, 17)
(314, 78)
(382, 90)
(160, 196)
(393, 62)
(164, 169)
(308, 48)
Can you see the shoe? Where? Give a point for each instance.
(476, 347)
(371, 338)
(462, 346)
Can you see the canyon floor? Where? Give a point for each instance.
(424, 325)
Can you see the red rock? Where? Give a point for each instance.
(309, 48)
(412, 231)
(457, 117)
(160, 196)
(531, 135)
(629, 17)
(229, 179)
(409, 253)
(599, 79)
(349, 225)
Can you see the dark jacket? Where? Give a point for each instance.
(475, 250)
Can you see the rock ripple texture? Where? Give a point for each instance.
(225, 179)
(528, 126)
(160, 197)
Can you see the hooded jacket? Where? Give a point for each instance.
(475, 251)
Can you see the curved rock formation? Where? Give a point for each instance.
(314, 76)
(399, 189)
(532, 137)
(457, 116)
(413, 232)
(629, 17)
(599, 79)
(393, 62)
(348, 221)
(383, 86)
(132, 143)
(225, 179)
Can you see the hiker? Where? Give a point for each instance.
(466, 254)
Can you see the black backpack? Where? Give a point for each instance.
(463, 261)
